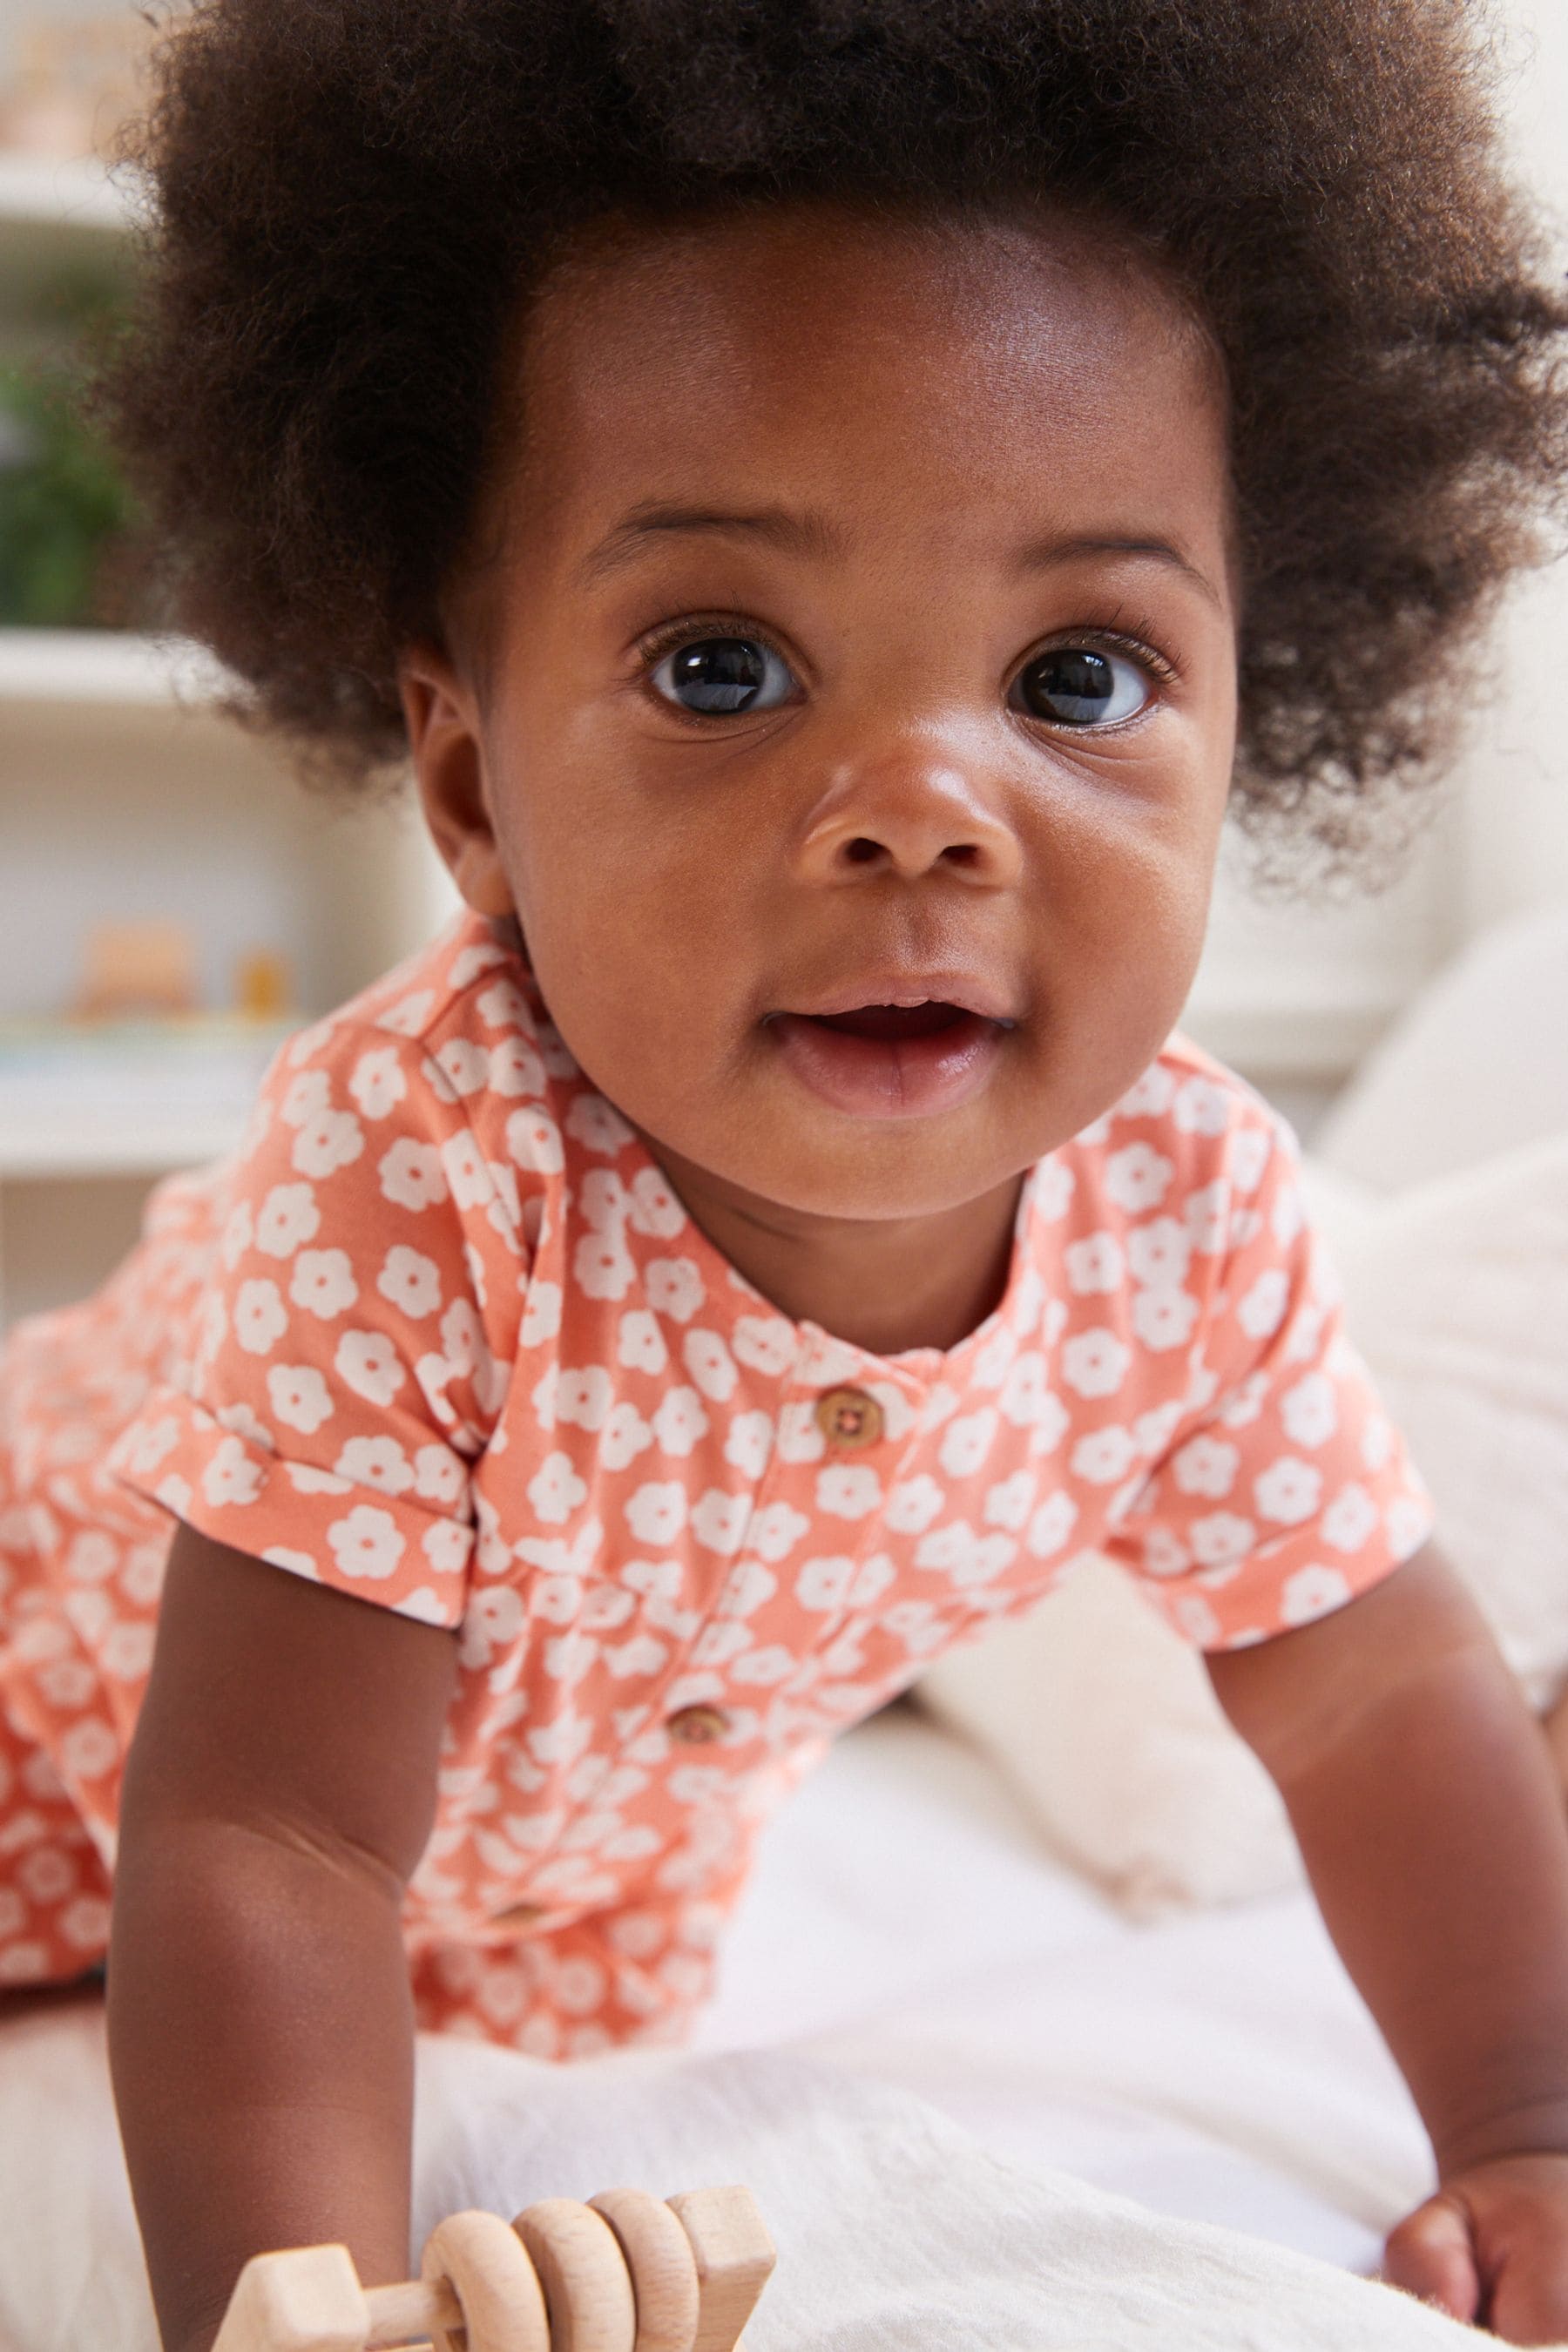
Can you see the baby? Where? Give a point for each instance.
(837, 500)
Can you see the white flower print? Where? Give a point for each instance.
(913, 1504)
(368, 1363)
(502, 1006)
(465, 1066)
(872, 1579)
(1054, 1186)
(555, 1490)
(231, 1477)
(822, 1585)
(656, 1513)
(1262, 1308)
(1163, 1318)
(1148, 1096)
(799, 1437)
(764, 1343)
(655, 1211)
(127, 1654)
(1241, 1410)
(88, 1749)
(721, 1640)
(1206, 1465)
(1312, 1593)
(1094, 1263)
(626, 1436)
(1094, 1362)
(1164, 1554)
(718, 1520)
(1201, 1107)
(492, 1618)
(762, 1668)
(1245, 1224)
(1207, 1216)
(710, 1363)
(289, 1216)
(409, 1015)
(674, 1288)
(1051, 1525)
(966, 1557)
(1102, 1455)
(1350, 1518)
(602, 1198)
(1304, 1338)
(541, 1312)
(639, 1342)
(603, 1265)
(378, 1462)
(943, 1401)
(1221, 1538)
(261, 1318)
(1407, 1523)
(516, 1069)
(409, 1281)
(583, 1397)
(1309, 1410)
(1137, 1177)
(1154, 1429)
(446, 1546)
(411, 1175)
(746, 1588)
(438, 1475)
(466, 1170)
(1159, 1252)
(678, 1420)
(749, 1442)
(1376, 1442)
(1008, 1504)
(1287, 1215)
(306, 1479)
(1248, 1157)
(323, 1283)
(238, 1234)
(966, 1441)
(1195, 1620)
(298, 1396)
(776, 1529)
(847, 1490)
(534, 1140)
(333, 1140)
(377, 1083)
(152, 1445)
(305, 1098)
(597, 1125)
(1028, 1402)
(1287, 1490)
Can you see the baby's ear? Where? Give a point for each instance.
(442, 719)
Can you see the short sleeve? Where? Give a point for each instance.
(1286, 1489)
(348, 1348)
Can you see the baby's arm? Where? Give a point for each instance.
(1429, 1817)
(279, 1793)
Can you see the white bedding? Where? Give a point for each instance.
(917, 2012)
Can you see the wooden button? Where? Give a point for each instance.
(695, 1725)
(848, 1417)
(521, 1915)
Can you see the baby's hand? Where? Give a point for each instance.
(1492, 2246)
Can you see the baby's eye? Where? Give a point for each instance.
(1075, 686)
(724, 675)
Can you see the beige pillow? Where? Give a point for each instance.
(1103, 1720)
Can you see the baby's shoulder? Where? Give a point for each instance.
(1188, 1131)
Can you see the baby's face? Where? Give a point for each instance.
(863, 634)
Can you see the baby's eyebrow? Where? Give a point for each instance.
(795, 534)
(1040, 554)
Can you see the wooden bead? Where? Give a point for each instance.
(734, 2256)
(305, 2299)
(587, 2286)
(662, 2265)
(494, 2281)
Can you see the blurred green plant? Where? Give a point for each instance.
(65, 515)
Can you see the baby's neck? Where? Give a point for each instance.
(887, 1286)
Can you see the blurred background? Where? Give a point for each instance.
(172, 903)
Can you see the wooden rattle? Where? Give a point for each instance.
(622, 2274)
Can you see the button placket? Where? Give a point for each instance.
(853, 1421)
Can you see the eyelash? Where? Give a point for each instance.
(1132, 644)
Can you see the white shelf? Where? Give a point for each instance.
(105, 667)
(131, 1101)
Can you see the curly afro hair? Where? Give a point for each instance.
(356, 197)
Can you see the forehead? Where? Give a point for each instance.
(898, 373)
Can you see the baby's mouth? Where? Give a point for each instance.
(889, 1061)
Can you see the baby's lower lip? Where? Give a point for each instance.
(889, 1077)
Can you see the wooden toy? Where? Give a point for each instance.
(621, 2273)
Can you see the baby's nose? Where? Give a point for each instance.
(911, 813)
